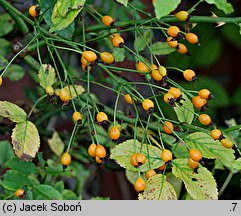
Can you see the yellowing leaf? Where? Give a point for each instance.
(46, 75)
(64, 13)
(56, 144)
(209, 148)
(158, 189)
(12, 112)
(74, 90)
(25, 140)
(200, 185)
(122, 154)
(185, 112)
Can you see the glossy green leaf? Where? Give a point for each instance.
(161, 48)
(25, 140)
(141, 42)
(213, 44)
(124, 2)
(6, 23)
(21, 166)
(200, 185)
(175, 182)
(223, 5)
(81, 173)
(158, 188)
(28, 194)
(132, 176)
(209, 148)
(5, 47)
(59, 186)
(3, 62)
(12, 112)
(6, 152)
(185, 113)
(168, 139)
(69, 195)
(46, 75)
(123, 151)
(64, 13)
(180, 150)
(235, 37)
(56, 144)
(47, 6)
(47, 192)
(163, 7)
(119, 54)
(15, 72)
(13, 180)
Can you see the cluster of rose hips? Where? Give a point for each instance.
(159, 74)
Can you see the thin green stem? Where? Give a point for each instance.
(154, 141)
(76, 126)
(236, 127)
(55, 65)
(36, 103)
(225, 184)
(116, 103)
(193, 8)
(6, 68)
